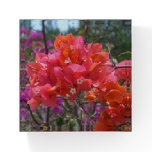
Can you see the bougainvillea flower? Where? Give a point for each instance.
(42, 59)
(34, 103)
(23, 51)
(101, 57)
(59, 102)
(91, 95)
(23, 30)
(124, 73)
(105, 122)
(83, 84)
(74, 71)
(126, 105)
(109, 117)
(48, 99)
(49, 43)
(99, 73)
(33, 34)
(57, 110)
(23, 113)
(63, 43)
(112, 92)
(54, 58)
(96, 47)
(39, 35)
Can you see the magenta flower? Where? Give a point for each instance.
(96, 115)
(35, 51)
(23, 102)
(23, 57)
(24, 96)
(39, 35)
(23, 30)
(98, 108)
(85, 109)
(44, 108)
(23, 113)
(33, 34)
(50, 51)
(38, 43)
(57, 110)
(28, 43)
(49, 43)
(23, 51)
(59, 102)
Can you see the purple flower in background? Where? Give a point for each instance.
(49, 43)
(42, 50)
(38, 43)
(23, 112)
(23, 51)
(33, 34)
(28, 43)
(44, 108)
(85, 121)
(23, 57)
(39, 35)
(22, 66)
(33, 54)
(27, 89)
(35, 51)
(98, 108)
(23, 30)
(96, 115)
(23, 102)
(85, 109)
(50, 51)
(59, 102)
(24, 96)
(57, 110)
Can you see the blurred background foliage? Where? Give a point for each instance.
(113, 34)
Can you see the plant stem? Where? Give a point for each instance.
(44, 36)
(124, 66)
(33, 116)
(86, 22)
(46, 52)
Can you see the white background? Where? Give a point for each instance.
(140, 139)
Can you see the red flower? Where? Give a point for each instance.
(34, 103)
(108, 119)
(124, 73)
(48, 99)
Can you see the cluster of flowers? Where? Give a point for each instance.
(30, 44)
(75, 67)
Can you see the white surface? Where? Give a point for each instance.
(138, 140)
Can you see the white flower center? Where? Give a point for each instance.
(37, 91)
(73, 90)
(67, 95)
(67, 61)
(79, 81)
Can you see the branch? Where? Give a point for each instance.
(110, 57)
(86, 22)
(46, 52)
(44, 36)
(124, 66)
(33, 116)
(127, 52)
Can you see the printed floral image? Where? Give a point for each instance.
(75, 79)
